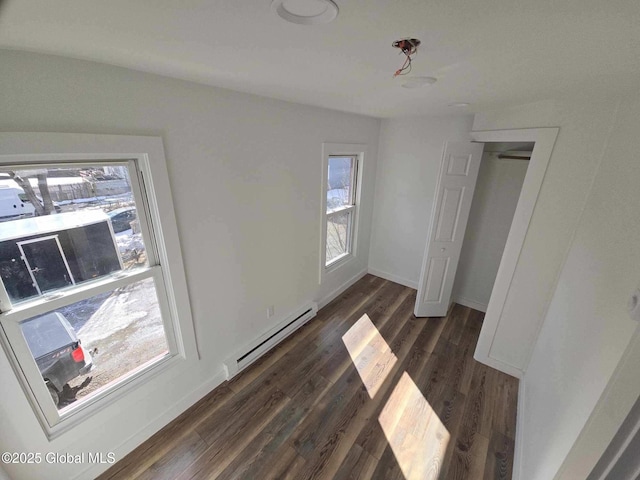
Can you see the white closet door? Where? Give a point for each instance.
(454, 192)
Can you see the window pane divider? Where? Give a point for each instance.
(339, 210)
(64, 161)
(76, 293)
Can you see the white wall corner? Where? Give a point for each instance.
(471, 303)
(337, 291)
(393, 278)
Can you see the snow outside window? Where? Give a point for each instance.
(83, 295)
(341, 201)
(343, 166)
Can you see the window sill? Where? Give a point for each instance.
(338, 263)
(145, 374)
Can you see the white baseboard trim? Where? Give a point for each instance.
(499, 365)
(471, 304)
(517, 449)
(334, 293)
(394, 278)
(155, 425)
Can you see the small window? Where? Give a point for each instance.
(85, 303)
(341, 204)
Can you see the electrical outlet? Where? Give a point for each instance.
(270, 311)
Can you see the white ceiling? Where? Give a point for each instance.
(489, 52)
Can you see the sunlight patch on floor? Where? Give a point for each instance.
(415, 433)
(370, 354)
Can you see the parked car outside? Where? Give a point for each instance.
(121, 218)
(57, 351)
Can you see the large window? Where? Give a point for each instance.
(85, 306)
(340, 188)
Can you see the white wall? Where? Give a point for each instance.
(585, 123)
(245, 173)
(3, 474)
(410, 153)
(494, 202)
(587, 328)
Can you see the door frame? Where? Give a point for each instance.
(544, 139)
(26, 260)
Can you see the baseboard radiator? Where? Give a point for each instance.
(254, 350)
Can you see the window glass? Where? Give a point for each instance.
(339, 188)
(341, 203)
(86, 229)
(338, 235)
(89, 345)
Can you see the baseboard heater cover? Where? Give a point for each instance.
(251, 352)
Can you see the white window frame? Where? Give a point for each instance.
(145, 158)
(341, 150)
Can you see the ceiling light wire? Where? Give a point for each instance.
(408, 47)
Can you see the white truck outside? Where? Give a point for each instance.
(13, 203)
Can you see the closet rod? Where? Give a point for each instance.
(513, 157)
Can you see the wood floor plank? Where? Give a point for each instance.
(505, 405)
(414, 431)
(172, 464)
(459, 370)
(330, 454)
(271, 441)
(471, 439)
(303, 362)
(499, 462)
(476, 459)
(358, 465)
(431, 334)
(371, 438)
(449, 404)
(403, 303)
(388, 467)
(364, 390)
(235, 434)
(320, 422)
(457, 318)
(376, 305)
(332, 446)
(421, 366)
(240, 405)
(285, 466)
(169, 437)
(334, 350)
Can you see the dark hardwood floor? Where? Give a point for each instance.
(364, 390)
